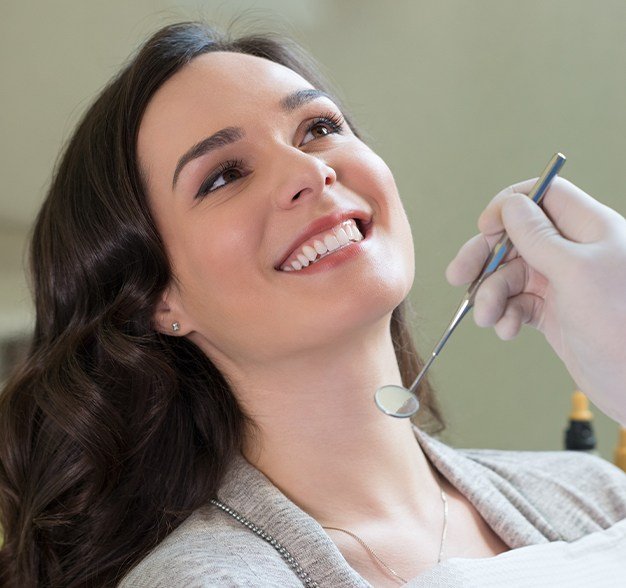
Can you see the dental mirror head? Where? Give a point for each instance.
(396, 401)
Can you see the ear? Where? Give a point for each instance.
(168, 317)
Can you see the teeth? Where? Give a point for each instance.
(342, 237)
(309, 252)
(347, 232)
(331, 242)
(320, 247)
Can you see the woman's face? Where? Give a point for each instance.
(230, 208)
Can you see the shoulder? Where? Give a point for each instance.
(582, 489)
(207, 550)
(561, 468)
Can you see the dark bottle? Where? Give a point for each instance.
(579, 436)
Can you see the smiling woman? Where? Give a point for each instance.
(162, 325)
(221, 270)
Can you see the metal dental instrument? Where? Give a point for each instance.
(399, 402)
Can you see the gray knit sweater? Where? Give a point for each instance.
(256, 536)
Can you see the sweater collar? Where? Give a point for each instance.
(249, 492)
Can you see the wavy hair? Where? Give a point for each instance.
(111, 434)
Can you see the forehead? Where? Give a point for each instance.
(225, 83)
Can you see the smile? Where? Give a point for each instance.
(323, 245)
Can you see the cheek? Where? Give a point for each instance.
(372, 178)
(217, 268)
(367, 174)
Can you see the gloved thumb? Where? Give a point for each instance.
(537, 240)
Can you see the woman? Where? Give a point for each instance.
(197, 407)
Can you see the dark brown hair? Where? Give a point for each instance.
(111, 434)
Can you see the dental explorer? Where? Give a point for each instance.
(399, 402)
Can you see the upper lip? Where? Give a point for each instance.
(322, 224)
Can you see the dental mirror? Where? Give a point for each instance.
(397, 401)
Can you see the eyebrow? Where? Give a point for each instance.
(231, 135)
(299, 98)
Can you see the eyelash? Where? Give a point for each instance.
(334, 121)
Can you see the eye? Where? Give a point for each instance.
(327, 124)
(229, 171)
(226, 173)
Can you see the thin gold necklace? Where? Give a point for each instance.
(444, 499)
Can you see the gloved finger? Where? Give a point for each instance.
(470, 259)
(534, 235)
(522, 309)
(576, 215)
(493, 294)
(490, 219)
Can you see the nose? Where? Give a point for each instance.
(302, 175)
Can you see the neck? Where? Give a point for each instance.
(323, 442)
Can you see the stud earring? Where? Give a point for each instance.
(176, 326)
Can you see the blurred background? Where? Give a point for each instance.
(461, 98)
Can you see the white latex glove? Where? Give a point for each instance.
(566, 276)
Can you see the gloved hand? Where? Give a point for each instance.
(565, 276)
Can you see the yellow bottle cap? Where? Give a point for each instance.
(620, 450)
(580, 407)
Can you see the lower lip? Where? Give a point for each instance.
(334, 259)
